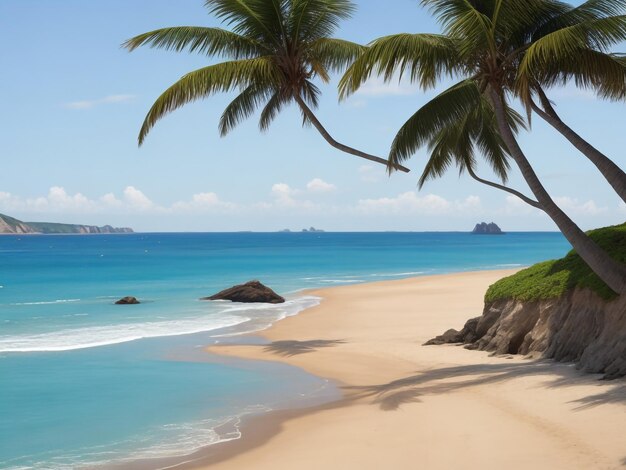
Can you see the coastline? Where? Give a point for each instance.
(407, 405)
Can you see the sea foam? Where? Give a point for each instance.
(231, 318)
(89, 337)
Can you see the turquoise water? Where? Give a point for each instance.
(88, 382)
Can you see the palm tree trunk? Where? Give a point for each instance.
(611, 172)
(344, 148)
(612, 272)
(524, 198)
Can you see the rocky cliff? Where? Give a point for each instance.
(9, 225)
(557, 309)
(579, 327)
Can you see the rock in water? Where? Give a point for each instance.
(127, 301)
(487, 229)
(250, 292)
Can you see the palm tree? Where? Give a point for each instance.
(575, 46)
(484, 42)
(275, 48)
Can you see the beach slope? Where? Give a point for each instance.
(433, 407)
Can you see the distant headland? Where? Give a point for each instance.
(487, 229)
(10, 225)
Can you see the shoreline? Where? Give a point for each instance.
(408, 405)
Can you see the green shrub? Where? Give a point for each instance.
(551, 279)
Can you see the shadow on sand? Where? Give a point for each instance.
(390, 396)
(294, 348)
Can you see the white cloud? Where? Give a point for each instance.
(621, 207)
(470, 204)
(574, 206)
(283, 194)
(204, 202)
(515, 206)
(318, 185)
(411, 203)
(58, 200)
(369, 174)
(408, 202)
(137, 200)
(88, 104)
(110, 200)
(376, 86)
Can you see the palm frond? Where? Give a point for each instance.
(425, 57)
(315, 19)
(242, 107)
(466, 20)
(443, 110)
(605, 74)
(441, 157)
(251, 18)
(599, 34)
(271, 110)
(335, 54)
(208, 41)
(311, 94)
(203, 82)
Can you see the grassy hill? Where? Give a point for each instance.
(551, 279)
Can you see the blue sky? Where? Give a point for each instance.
(73, 102)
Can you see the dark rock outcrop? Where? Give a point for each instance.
(127, 301)
(250, 292)
(578, 327)
(487, 229)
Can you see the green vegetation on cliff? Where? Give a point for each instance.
(551, 279)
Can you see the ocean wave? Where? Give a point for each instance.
(230, 318)
(262, 316)
(90, 337)
(409, 273)
(47, 302)
(341, 281)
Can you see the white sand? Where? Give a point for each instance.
(409, 406)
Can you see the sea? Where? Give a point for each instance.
(85, 383)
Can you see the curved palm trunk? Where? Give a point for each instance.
(524, 198)
(610, 271)
(344, 148)
(611, 172)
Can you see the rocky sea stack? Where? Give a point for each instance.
(556, 309)
(487, 229)
(250, 292)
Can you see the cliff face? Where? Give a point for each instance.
(578, 327)
(9, 225)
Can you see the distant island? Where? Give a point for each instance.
(10, 225)
(487, 229)
(308, 230)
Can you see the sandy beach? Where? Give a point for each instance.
(433, 407)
